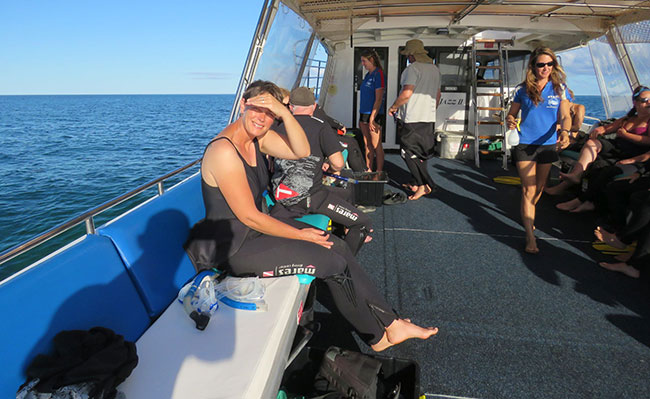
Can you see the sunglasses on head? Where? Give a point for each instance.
(543, 64)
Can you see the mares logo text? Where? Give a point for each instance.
(288, 270)
(346, 212)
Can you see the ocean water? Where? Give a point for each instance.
(63, 155)
(593, 105)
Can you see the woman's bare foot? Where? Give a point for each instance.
(570, 178)
(367, 240)
(584, 207)
(531, 246)
(569, 205)
(399, 331)
(609, 238)
(621, 267)
(421, 191)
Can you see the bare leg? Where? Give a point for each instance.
(533, 179)
(367, 139)
(622, 268)
(569, 205)
(588, 154)
(399, 331)
(378, 149)
(609, 238)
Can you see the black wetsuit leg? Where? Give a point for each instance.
(417, 143)
(638, 227)
(418, 168)
(618, 198)
(328, 203)
(597, 183)
(355, 295)
(347, 193)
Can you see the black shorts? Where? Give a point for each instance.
(535, 153)
(379, 119)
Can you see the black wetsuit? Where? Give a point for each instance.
(298, 187)
(221, 240)
(417, 144)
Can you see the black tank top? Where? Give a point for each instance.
(220, 235)
(216, 207)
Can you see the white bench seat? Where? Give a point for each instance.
(241, 354)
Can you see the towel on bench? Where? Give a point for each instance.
(97, 356)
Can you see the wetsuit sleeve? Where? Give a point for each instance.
(329, 142)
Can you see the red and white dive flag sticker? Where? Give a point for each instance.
(284, 192)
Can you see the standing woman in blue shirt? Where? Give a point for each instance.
(543, 101)
(371, 109)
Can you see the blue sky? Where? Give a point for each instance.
(581, 77)
(145, 47)
(129, 47)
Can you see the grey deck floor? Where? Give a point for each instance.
(512, 325)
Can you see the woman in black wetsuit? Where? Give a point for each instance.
(238, 236)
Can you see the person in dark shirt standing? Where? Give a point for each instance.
(297, 184)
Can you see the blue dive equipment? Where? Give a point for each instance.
(200, 297)
(346, 179)
(243, 293)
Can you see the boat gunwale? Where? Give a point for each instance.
(88, 215)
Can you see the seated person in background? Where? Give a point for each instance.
(637, 228)
(577, 112)
(356, 159)
(621, 190)
(297, 184)
(632, 139)
(577, 117)
(593, 194)
(237, 236)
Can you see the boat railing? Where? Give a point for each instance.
(88, 217)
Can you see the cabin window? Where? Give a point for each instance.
(612, 81)
(284, 49)
(636, 37)
(453, 69)
(517, 64)
(314, 72)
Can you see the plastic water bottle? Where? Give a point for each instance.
(512, 137)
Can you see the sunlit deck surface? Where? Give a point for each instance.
(512, 325)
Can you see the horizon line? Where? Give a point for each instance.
(124, 94)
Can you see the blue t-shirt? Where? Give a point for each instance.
(539, 122)
(374, 80)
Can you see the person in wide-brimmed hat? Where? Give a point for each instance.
(415, 113)
(415, 47)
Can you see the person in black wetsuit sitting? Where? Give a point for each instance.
(297, 184)
(237, 236)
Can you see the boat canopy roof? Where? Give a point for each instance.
(556, 24)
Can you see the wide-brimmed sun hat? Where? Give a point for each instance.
(415, 47)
